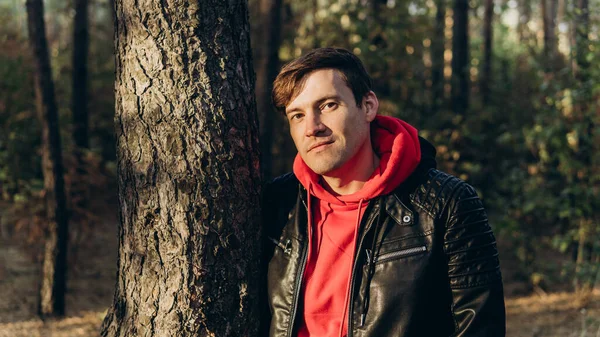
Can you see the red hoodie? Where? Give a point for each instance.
(333, 226)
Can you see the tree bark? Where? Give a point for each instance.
(437, 57)
(460, 57)
(188, 171)
(486, 74)
(54, 269)
(267, 66)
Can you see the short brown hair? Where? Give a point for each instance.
(289, 82)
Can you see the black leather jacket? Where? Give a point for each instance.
(426, 260)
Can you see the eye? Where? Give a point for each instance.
(329, 106)
(295, 116)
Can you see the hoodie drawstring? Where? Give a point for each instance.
(349, 285)
(310, 220)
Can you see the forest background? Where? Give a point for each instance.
(507, 90)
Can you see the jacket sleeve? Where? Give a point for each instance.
(268, 217)
(277, 199)
(473, 267)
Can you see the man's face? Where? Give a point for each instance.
(327, 126)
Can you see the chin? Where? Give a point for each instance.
(323, 169)
(319, 169)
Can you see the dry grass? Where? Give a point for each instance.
(556, 315)
(86, 324)
(560, 314)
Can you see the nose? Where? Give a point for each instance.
(313, 125)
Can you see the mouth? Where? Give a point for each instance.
(319, 145)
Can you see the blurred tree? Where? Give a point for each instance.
(460, 57)
(525, 12)
(585, 145)
(266, 51)
(377, 8)
(80, 77)
(54, 269)
(437, 56)
(378, 42)
(79, 103)
(188, 171)
(486, 74)
(549, 13)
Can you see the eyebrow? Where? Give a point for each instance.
(317, 102)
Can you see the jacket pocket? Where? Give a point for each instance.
(401, 253)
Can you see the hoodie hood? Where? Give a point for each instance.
(397, 145)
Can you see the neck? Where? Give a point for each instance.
(353, 175)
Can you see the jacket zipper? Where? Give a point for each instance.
(298, 284)
(297, 292)
(401, 253)
(363, 315)
(352, 278)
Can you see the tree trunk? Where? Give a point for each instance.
(560, 11)
(545, 25)
(553, 11)
(315, 28)
(560, 18)
(113, 11)
(486, 74)
(437, 57)
(586, 139)
(524, 18)
(188, 171)
(79, 101)
(580, 280)
(549, 12)
(267, 65)
(54, 269)
(377, 37)
(376, 7)
(582, 74)
(582, 29)
(80, 55)
(460, 57)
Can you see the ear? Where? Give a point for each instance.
(370, 105)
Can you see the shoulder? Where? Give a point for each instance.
(279, 198)
(279, 195)
(281, 187)
(438, 193)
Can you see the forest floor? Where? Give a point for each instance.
(92, 274)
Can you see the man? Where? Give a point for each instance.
(366, 237)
